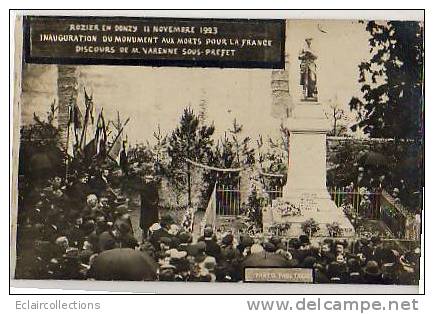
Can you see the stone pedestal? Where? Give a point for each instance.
(305, 194)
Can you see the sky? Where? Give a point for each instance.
(152, 96)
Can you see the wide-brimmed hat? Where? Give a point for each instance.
(208, 233)
(372, 268)
(388, 256)
(275, 240)
(165, 240)
(256, 248)
(335, 270)
(185, 237)
(91, 197)
(166, 220)
(154, 227)
(304, 239)
(195, 249)
(166, 265)
(209, 262)
(294, 243)
(246, 240)
(228, 239)
(71, 253)
(388, 269)
(228, 253)
(120, 200)
(269, 247)
(174, 229)
(308, 262)
(175, 254)
(353, 265)
(167, 274)
(223, 273)
(342, 242)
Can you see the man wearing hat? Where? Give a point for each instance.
(212, 248)
(228, 251)
(245, 243)
(149, 199)
(354, 271)
(372, 273)
(157, 234)
(336, 272)
(195, 252)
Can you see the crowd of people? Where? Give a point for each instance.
(223, 257)
(64, 228)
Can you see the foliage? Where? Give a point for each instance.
(310, 227)
(344, 164)
(273, 159)
(255, 204)
(403, 169)
(392, 102)
(189, 140)
(334, 229)
(40, 153)
(338, 117)
(280, 229)
(159, 151)
(287, 208)
(233, 151)
(392, 81)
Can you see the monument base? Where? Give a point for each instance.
(322, 210)
(305, 195)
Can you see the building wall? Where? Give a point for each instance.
(67, 91)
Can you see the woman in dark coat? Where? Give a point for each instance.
(149, 205)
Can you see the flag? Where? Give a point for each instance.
(101, 135)
(78, 123)
(115, 149)
(123, 157)
(74, 125)
(89, 150)
(89, 121)
(97, 145)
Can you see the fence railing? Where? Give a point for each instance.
(228, 200)
(375, 205)
(274, 192)
(402, 224)
(365, 203)
(379, 206)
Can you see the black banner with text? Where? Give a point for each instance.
(230, 43)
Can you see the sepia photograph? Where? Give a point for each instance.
(218, 150)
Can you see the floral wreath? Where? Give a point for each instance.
(287, 208)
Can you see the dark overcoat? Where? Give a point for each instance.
(149, 205)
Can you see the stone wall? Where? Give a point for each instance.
(281, 101)
(67, 91)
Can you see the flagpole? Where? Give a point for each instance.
(117, 136)
(88, 102)
(67, 146)
(83, 132)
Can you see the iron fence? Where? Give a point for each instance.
(228, 200)
(365, 203)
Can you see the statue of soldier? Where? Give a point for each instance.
(308, 72)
